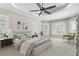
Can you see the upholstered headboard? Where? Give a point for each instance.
(21, 33)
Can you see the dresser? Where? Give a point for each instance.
(5, 42)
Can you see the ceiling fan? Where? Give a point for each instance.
(43, 9)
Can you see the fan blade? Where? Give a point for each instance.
(50, 7)
(47, 12)
(38, 4)
(42, 4)
(40, 13)
(34, 10)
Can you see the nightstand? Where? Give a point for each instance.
(5, 42)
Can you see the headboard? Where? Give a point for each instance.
(21, 33)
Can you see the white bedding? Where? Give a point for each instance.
(18, 42)
(33, 47)
(26, 45)
(41, 48)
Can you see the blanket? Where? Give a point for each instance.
(28, 46)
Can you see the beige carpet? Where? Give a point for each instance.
(58, 48)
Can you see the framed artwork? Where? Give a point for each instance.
(21, 26)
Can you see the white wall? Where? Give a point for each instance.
(37, 27)
(33, 25)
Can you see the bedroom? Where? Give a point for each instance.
(58, 28)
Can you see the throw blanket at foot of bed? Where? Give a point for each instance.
(27, 47)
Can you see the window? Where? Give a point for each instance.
(46, 28)
(58, 28)
(72, 25)
(3, 25)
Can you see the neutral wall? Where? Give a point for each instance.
(33, 25)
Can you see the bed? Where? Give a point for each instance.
(31, 46)
(28, 46)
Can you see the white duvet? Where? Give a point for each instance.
(24, 49)
(25, 45)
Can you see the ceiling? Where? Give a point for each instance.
(62, 10)
(32, 6)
